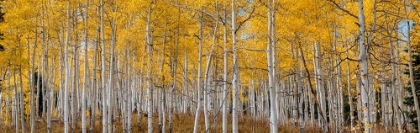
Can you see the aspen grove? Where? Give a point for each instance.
(209, 66)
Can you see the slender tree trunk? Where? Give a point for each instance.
(31, 74)
(15, 104)
(175, 65)
(364, 69)
(103, 69)
(399, 90)
(75, 88)
(51, 90)
(235, 90)
(207, 80)
(225, 77)
(391, 87)
(60, 100)
(67, 74)
(149, 37)
(8, 96)
(384, 94)
(94, 83)
(160, 94)
(412, 82)
(295, 84)
(15, 109)
(129, 91)
(350, 98)
(85, 78)
(185, 86)
(205, 95)
(200, 43)
(271, 80)
(320, 87)
(110, 95)
(45, 83)
(139, 104)
(38, 90)
(301, 94)
(8, 104)
(22, 116)
(338, 86)
(410, 65)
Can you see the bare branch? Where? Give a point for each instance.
(342, 9)
(248, 18)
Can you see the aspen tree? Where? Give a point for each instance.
(67, 74)
(235, 90)
(364, 68)
(45, 83)
(94, 83)
(75, 87)
(185, 90)
(200, 47)
(21, 104)
(31, 73)
(206, 82)
(110, 88)
(15, 104)
(410, 65)
(350, 98)
(149, 38)
(104, 90)
(86, 68)
(225, 74)
(175, 66)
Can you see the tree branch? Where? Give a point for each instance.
(248, 18)
(342, 9)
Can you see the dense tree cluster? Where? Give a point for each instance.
(336, 65)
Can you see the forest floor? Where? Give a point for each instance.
(182, 123)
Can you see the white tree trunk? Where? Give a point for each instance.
(149, 37)
(50, 94)
(225, 77)
(110, 95)
(103, 68)
(410, 65)
(185, 86)
(31, 74)
(364, 69)
(85, 78)
(235, 90)
(320, 86)
(130, 94)
(271, 80)
(67, 74)
(15, 110)
(200, 43)
(94, 83)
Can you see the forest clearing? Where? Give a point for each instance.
(156, 66)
